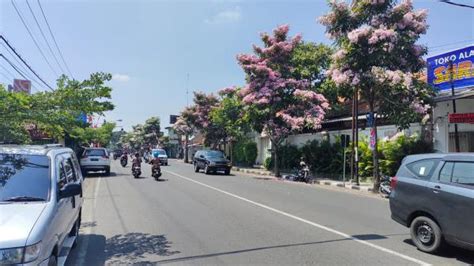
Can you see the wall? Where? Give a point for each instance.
(443, 132)
(384, 132)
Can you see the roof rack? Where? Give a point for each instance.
(57, 145)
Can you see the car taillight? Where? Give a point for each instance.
(393, 182)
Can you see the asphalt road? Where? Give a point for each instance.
(193, 218)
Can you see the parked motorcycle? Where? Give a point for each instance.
(300, 175)
(136, 170)
(385, 188)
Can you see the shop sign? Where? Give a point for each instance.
(467, 118)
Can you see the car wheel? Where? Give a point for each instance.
(52, 261)
(196, 168)
(207, 170)
(426, 234)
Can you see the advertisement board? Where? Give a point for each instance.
(460, 62)
(21, 85)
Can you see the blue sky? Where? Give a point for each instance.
(150, 46)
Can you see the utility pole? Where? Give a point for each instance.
(451, 79)
(356, 126)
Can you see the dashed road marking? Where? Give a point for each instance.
(328, 229)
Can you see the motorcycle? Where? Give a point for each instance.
(301, 175)
(385, 189)
(156, 172)
(136, 170)
(123, 161)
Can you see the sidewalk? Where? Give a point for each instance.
(363, 187)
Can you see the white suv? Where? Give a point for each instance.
(95, 159)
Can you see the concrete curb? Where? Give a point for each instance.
(322, 182)
(347, 185)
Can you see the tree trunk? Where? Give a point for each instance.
(186, 149)
(276, 167)
(375, 152)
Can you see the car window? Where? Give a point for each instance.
(62, 180)
(69, 169)
(463, 173)
(424, 168)
(446, 172)
(215, 154)
(77, 167)
(95, 152)
(24, 176)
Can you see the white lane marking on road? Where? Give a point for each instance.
(386, 250)
(81, 257)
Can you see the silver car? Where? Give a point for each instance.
(40, 203)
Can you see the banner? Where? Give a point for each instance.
(372, 139)
(21, 85)
(461, 62)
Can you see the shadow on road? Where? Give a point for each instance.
(88, 224)
(462, 255)
(131, 248)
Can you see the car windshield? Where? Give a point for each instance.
(24, 177)
(95, 152)
(215, 154)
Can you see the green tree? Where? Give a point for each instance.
(230, 115)
(151, 131)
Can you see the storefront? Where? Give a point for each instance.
(453, 74)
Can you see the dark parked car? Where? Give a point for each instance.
(433, 194)
(211, 161)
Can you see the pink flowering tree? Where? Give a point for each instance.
(379, 58)
(278, 104)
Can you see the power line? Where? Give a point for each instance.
(23, 68)
(32, 37)
(13, 66)
(10, 73)
(456, 4)
(24, 62)
(25, 73)
(16, 69)
(14, 57)
(449, 44)
(4, 75)
(44, 37)
(54, 39)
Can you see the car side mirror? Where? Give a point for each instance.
(70, 190)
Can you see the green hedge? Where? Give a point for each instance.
(244, 152)
(324, 157)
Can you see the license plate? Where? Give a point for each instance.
(94, 160)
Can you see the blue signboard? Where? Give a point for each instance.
(461, 61)
(82, 118)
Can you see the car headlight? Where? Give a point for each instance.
(19, 255)
(11, 256)
(32, 252)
